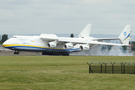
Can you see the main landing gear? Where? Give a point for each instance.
(16, 52)
(56, 53)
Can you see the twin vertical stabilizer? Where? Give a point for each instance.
(85, 32)
(125, 35)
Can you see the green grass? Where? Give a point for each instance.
(61, 73)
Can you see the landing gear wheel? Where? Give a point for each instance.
(16, 52)
(56, 53)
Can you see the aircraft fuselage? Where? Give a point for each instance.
(35, 44)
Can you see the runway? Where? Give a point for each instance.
(4, 49)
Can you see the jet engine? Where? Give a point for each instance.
(69, 45)
(84, 47)
(52, 44)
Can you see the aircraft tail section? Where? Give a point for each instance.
(125, 35)
(85, 32)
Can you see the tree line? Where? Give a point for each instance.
(3, 38)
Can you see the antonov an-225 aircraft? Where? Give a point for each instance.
(50, 44)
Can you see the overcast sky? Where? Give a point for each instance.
(66, 16)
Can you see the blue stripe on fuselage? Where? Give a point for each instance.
(38, 49)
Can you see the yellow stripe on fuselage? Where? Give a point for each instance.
(11, 45)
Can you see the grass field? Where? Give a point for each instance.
(61, 73)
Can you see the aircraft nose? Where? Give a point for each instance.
(4, 44)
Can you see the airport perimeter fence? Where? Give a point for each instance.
(112, 68)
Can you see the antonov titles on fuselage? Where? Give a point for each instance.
(50, 44)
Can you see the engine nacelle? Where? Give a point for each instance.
(69, 45)
(84, 47)
(52, 44)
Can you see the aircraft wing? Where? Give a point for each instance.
(101, 39)
(94, 41)
(83, 41)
